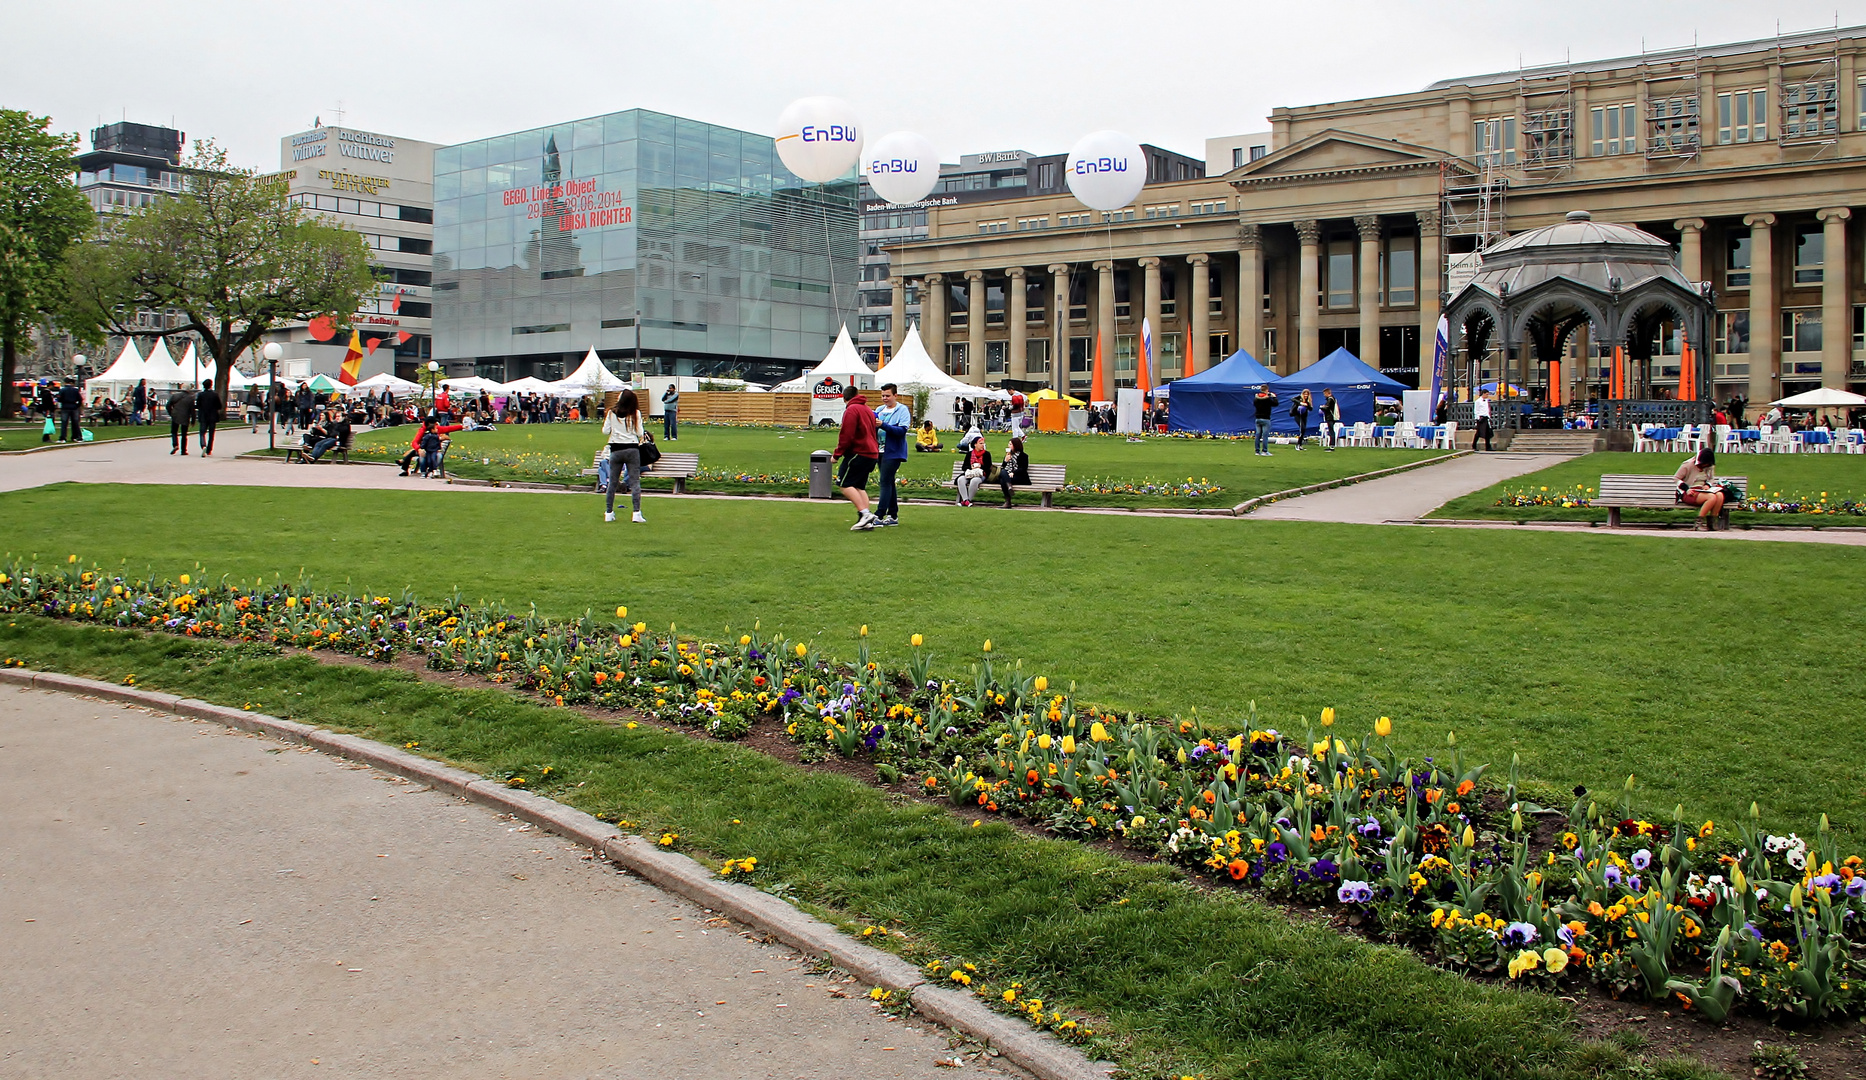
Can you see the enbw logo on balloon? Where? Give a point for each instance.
(894, 165)
(842, 133)
(1101, 165)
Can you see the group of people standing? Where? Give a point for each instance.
(1304, 406)
(875, 439)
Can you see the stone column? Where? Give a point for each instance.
(1200, 325)
(975, 327)
(1250, 290)
(933, 316)
(1691, 249)
(1369, 229)
(1308, 300)
(1059, 327)
(1104, 319)
(1430, 286)
(1836, 319)
(1765, 330)
(1150, 310)
(1014, 358)
(897, 317)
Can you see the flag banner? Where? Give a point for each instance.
(1144, 376)
(352, 361)
(1441, 349)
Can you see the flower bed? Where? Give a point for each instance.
(1762, 502)
(1434, 852)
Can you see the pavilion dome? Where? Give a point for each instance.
(1588, 252)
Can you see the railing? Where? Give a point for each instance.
(1629, 413)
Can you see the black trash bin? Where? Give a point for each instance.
(822, 474)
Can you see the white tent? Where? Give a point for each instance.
(386, 381)
(121, 377)
(526, 385)
(237, 380)
(914, 371)
(798, 385)
(1825, 398)
(160, 368)
(843, 359)
(472, 384)
(193, 370)
(591, 377)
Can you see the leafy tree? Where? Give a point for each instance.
(230, 255)
(41, 215)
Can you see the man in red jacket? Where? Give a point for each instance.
(414, 444)
(858, 450)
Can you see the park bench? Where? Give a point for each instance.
(1652, 492)
(342, 449)
(1046, 480)
(678, 467)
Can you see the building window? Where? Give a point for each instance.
(1614, 130)
(1743, 116)
(995, 226)
(1081, 358)
(1733, 332)
(1208, 206)
(955, 359)
(1118, 215)
(996, 353)
(1123, 295)
(1163, 210)
(1493, 141)
(1338, 274)
(1672, 125)
(1801, 330)
(1025, 224)
(1859, 329)
(1258, 151)
(1736, 261)
(994, 302)
(874, 324)
(1399, 271)
(1810, 255)
(1219, 347)
(1037, 357)
(1169, 363)
(1237, 157)
(1126, 360)
(1215, 292)
(1069, 220)
(1811, 109)
(1078, 298)
(1268, 359)
(1169, 293)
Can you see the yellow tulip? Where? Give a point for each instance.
(184, 577)
(1383, 727)
(1043, 741)
(864, 629)
(914, 641)
(987, 644)
(745, 639)
(1042, 684)
(1328, 716)
(802, 649)
(621, 612)
(1098, 733)
(1236, 745)
(1069, 744)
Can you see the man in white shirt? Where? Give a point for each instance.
(1480, 410)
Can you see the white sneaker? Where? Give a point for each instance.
(609, 517)
(863, 523)
(638, 519)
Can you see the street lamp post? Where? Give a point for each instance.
(433, 379)
(272, 352)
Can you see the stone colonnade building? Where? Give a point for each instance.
(1750, 158)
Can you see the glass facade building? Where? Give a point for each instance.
(584, 234)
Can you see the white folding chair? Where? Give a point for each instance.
(1447, 436)
(1642, 442)
(1728, 441)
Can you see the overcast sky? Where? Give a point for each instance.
(972, 75)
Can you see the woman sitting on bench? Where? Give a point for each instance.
(1014, 469)
(1698, 486)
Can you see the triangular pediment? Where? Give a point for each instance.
(1336, 151)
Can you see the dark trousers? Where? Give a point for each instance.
(178, 434)
(207, 435)
(1483, 432)
(670, 424)
(68, 430)
(889, 505)
(625, 462)
(1328, 428)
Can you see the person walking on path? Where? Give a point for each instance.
(207, 412)
(855, 445)
(670, 413)
(139, 402)
(1480, 412)
(894, 420)
(180, 421)
(1331, 415)
(70, 402)
(1265, 405)
(622, 432)
(1300, 410)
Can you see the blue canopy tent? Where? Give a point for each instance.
(1218, 399)
(1353, 382)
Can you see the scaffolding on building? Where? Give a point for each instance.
(1674, 112)
(1808, 113)
(1547, 118)
(1473, 200)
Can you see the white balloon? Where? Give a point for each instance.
(1106, 170)
(819, 138)
(902, 167)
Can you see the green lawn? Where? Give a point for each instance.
(558, 452)
(1181, 980)
(26, 436)
(1718, 679)
(1836, 477)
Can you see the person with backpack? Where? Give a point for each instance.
(70, 402)
(180, 421)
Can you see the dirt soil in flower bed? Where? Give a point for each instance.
(1832, 1051)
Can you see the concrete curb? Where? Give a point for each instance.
(1248, 505)
(44, 448)
(1043, 1056)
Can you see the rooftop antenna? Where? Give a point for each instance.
(339, 112)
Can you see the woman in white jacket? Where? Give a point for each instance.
(622, 431)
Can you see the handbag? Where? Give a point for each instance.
(650, 453)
